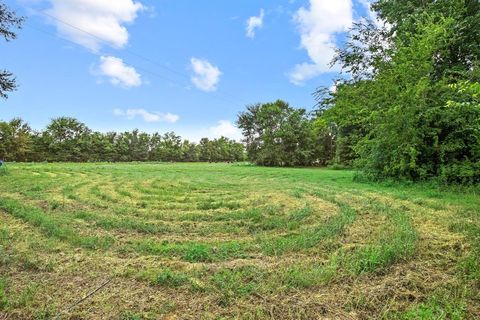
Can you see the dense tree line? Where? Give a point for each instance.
(408, 106)
(67, 139)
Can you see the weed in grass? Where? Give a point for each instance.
(231, 284)
(130, 315)
(166, 277)
(3, 294)
(25, 298)
(55, 205)
(434, 308)
(306, 276)
(297, 193)
(45, 313)
(9, 301)
(197, 252)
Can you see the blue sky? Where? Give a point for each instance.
(183, 65)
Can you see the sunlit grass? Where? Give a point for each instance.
(222, 238)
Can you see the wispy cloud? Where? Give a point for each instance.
(91, 22)
(118, 73)
(318, 26)
(146, 115)
(225, 129)
(254, 23)
(373, 16)
(206, 76)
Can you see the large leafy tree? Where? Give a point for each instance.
(460, 51)
(15, 140)
(404, 111)
(8, 22)
(190, 152)
(66, 139)
(278, 135)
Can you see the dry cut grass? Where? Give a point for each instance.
(221, 241)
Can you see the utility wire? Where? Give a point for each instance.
(224, 96)
(113, 47)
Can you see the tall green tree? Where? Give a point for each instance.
(66, 139)
(190, 151)
(460, 51)
(398, 114)
(278, 135)
(15, 140)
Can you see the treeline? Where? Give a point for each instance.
(67, 139)
(408, 106)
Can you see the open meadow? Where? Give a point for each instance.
(220, 241)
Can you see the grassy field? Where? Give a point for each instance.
(215, 241)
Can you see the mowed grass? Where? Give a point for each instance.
(222, 241)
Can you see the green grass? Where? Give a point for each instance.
(52, 227)
(234, 241)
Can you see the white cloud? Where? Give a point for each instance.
(253, 23)
(333, 88)
(206, 75)
(318, 26)
(226, 129)
(118, 72)
(91, 22)
(147, 116)
(371, 15)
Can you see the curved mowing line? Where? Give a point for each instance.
(395, 244)
(121, 209)
(104, 196)
(125, 223)
(225, 224)
(219, 251)
(190, 251)
(387, 250)
(249, 221)
(335, 226)
(53, 227)
(233, 226)
(106, 200)
(110, 222)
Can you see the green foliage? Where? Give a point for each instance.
(411, 109)
(67, 139)
(434, 308)
(130, 315)
(234, 284)
(8, 21)
(198, 253)
(15, 140)
(279, 135)
(168, 278)
(3, 294)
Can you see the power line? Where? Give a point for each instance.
(224, 96)
(113, 47)
(98, 54)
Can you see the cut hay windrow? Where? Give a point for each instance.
(189, 241)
